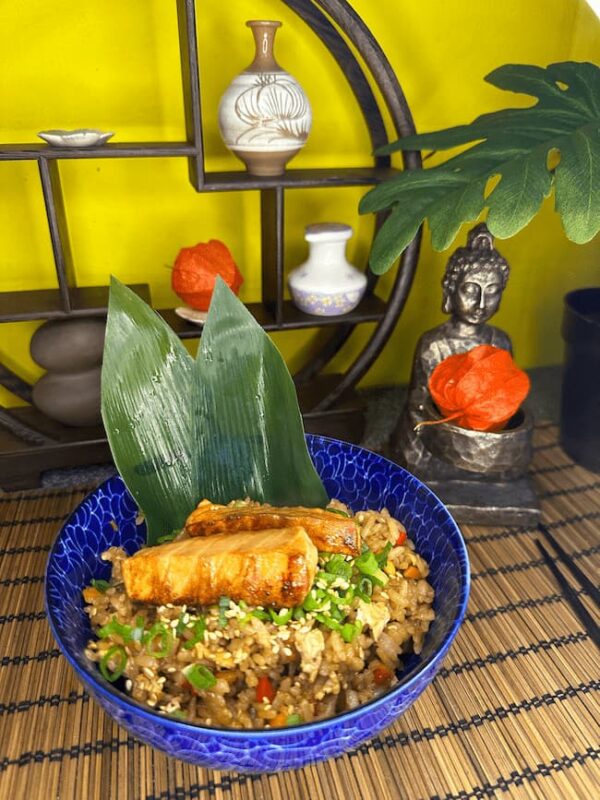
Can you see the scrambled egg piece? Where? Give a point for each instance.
(311, 647)
(375, 615)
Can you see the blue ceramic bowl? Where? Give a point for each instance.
(358, 477)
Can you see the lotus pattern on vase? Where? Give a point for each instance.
(274, 110)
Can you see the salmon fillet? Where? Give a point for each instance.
(270, 568)
(330, 532)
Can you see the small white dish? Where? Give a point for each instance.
(82, 137)
(192, 315)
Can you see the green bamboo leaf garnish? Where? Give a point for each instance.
(249, 434)
(225, 427)
(146, 391)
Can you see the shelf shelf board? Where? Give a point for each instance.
(26, 152)
(297, 178)
(370, 309)
(46, 303)
(22, 463)
(230, 181)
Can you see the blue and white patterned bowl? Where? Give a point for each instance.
(358, 477)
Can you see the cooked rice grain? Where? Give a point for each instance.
(314, 671)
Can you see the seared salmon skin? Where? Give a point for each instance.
(266, 568)
(330, 532)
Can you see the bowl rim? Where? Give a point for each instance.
(104, 687)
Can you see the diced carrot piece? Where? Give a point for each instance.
(412, 573)
(90, 593)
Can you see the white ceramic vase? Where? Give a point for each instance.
(326, 284)
(264, 115)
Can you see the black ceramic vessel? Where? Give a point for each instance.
(580, 403)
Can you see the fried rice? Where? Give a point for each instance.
(231, 665)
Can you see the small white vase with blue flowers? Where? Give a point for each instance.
(326, 284)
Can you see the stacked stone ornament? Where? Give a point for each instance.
(71, 351)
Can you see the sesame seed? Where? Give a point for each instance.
(147, 672)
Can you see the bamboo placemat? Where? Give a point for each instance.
(513, 711)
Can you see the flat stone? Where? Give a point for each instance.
(72, 398)
(69, 345)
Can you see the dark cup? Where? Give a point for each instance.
(580, 403)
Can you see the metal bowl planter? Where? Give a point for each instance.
(503, 454)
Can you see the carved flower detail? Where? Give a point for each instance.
(274, 108)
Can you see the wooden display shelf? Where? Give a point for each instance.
(22, 464)
(86, 301)
(324, 400)
(35, 151)
(370, 309)
(323, 178)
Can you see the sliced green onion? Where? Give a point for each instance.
(224, 605)
(342, 599)
(364, 590)
(328, 577)
(100, 584)
(159, 631)
(115, 628)
(382, 557)
(197, 633)
(337, 565)
(181, 625)
(351, 630)
(315, 600)
(260, 614)
(329, 622)
(200, 677)
(281, 617)
(299, 613)
(179, 713)
(367, 564)
(338, 511)
(168, 537)
(294, 719)
(335, 613)
(114, 674)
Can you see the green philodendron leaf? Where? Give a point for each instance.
(146, 392)
(249, 434)
(578, 186)
(512, 144)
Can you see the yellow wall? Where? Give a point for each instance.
(114, 65)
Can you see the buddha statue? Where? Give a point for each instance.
(454, 460)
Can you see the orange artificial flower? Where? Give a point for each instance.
(196, 269)
(480, 389)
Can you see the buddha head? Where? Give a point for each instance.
(475, 278)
